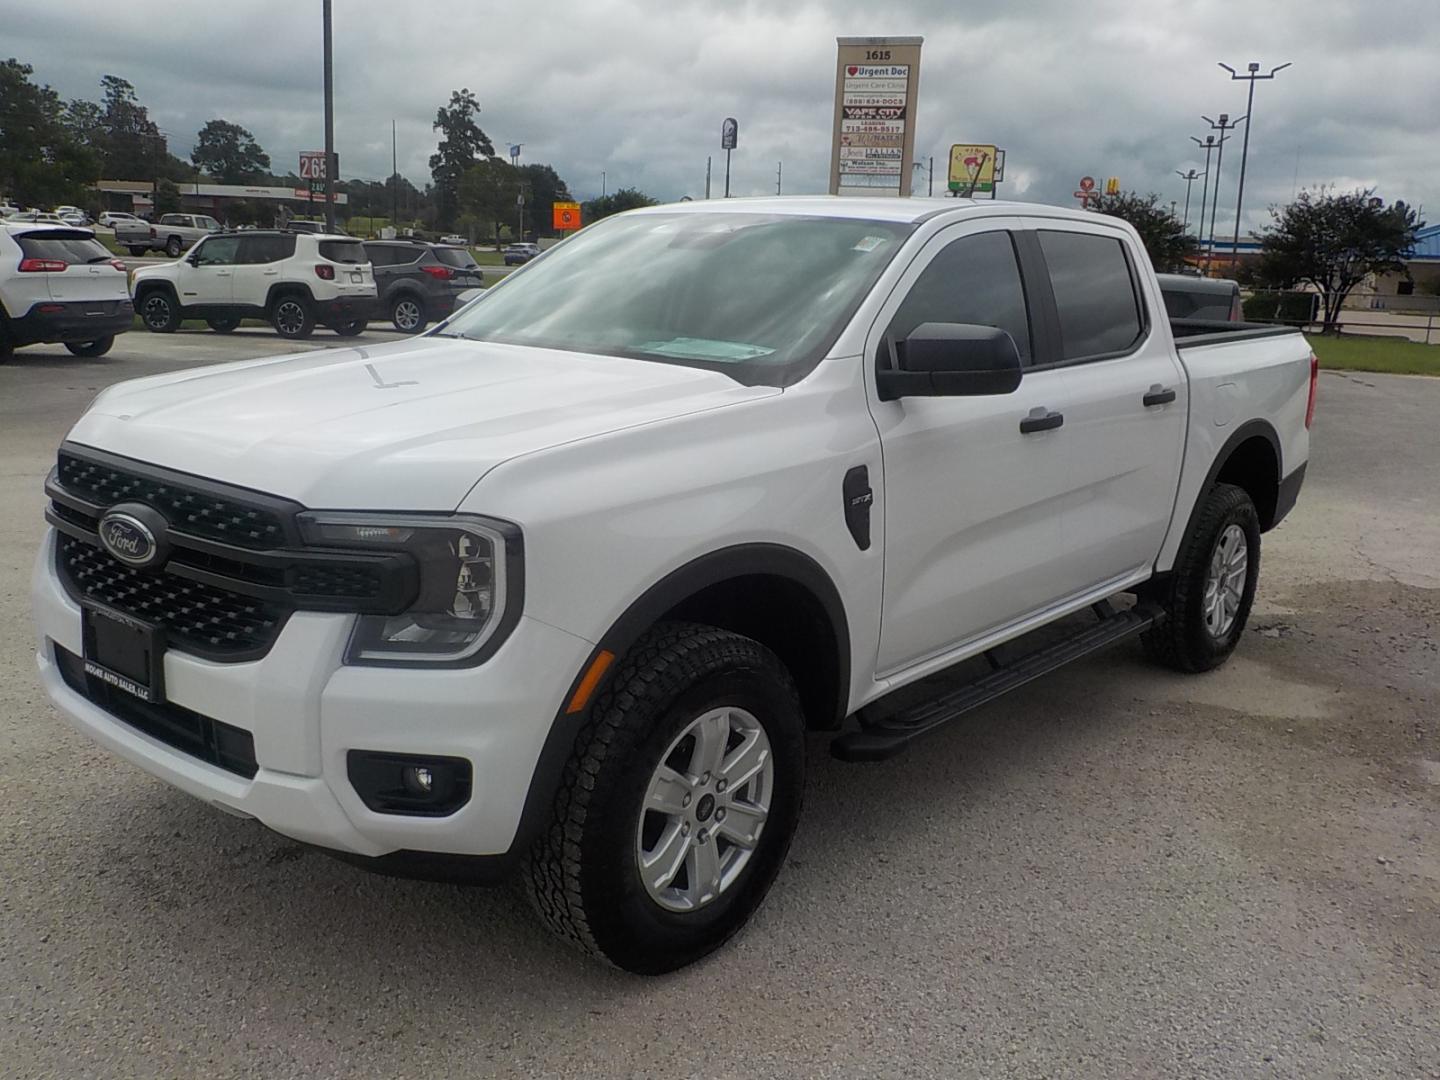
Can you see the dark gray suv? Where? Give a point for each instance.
(416, 282)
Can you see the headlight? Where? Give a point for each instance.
(470, 580)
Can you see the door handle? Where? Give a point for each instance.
(272, 273)
(1041, 419)
(1159, 395)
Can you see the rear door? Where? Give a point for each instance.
(89, 275)
(973, 506)
(259, 267)
(1124, 393)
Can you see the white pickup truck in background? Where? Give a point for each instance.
(172, 234)
(561, 586)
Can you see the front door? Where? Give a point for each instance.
(210, 280)
(973, 506)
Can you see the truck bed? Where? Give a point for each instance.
(1191, 332)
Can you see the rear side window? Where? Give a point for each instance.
(457, 257)
(1094, 293)
(975, 279)
(1194, 305)
(343, 251)
(379, 255)
(266, 249)
(74, 248)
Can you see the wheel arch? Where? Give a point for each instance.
(1250, 459)
(286, 288)
(735, 588)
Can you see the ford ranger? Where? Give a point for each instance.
(565, 585)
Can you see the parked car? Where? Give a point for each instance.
(569, 587)
(456, 239)
(109, 218)
(1188, 297)
(72, 215)
(516, 254)
(293, 280)
(38, 217)
(59, 284)
(417, 283)
(172, 234)
(8, 209)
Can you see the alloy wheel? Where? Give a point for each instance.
(1225, 582)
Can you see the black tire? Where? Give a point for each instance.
(349, 329)
(1185, 641)
(159, 312)
(98, 347)
(222, 326)
(138, 249)
(173, 247)
(583, 872)
(292, 316)
(408, 314)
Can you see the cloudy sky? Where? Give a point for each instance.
(638, 88)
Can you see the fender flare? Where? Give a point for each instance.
(1246, 431)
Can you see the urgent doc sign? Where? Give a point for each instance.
(876, 86)
(565, 215)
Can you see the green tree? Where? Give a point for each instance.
(229, 153)
(41, 161)
(131, 146)
(461, 145)
(614, 203)
(1333, 242)
(543, 188)
(489, 192)
(1162, 233)
(167, 197)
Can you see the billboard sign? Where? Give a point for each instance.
(729, 133)
(972, 167)
(565, 215)
(312, 169)
(877, 81)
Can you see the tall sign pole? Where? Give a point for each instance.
(1222, 126)
(877, 87)
(1189, 178)
(329, 126)
(729, 139)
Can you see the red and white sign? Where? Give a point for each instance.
(312, 164)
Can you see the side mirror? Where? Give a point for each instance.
(952, 360)
(193, 258)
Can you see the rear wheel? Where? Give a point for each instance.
(159, 312)
(1207, 598)
(292, 317)
(349, 329)
(138, 249)
(98, 347)
(675, 812)
(172, 247)
(407, 313)
(222, 326)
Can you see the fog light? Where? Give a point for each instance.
(417, 779)
(413, 784)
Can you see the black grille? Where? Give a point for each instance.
(201, 618)
(230, 748)
(188, 509)
(352, 582)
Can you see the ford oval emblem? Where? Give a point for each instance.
(128, 539)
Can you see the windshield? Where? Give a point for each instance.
(758, 296)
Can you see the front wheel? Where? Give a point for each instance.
(678, 805)
(159, 312)
(98, 347)
(1207, 598)
(292, 318)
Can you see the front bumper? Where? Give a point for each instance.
(305, 710)
(87, 320)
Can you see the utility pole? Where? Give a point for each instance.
(779, 171)
(329, 125)
(603, 189)
(1223, 125)
(1189, 178)
(707, 176)
(931, 191)
(1252, 75)
(394, 183)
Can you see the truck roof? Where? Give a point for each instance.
(909, 209)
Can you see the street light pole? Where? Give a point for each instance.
(1252, 75)
(1223, 125)
(1208, 145)
(1189, 178)
(329, 125)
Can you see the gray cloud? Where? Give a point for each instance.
(637, 88)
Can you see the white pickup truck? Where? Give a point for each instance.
(561, 586)
(172, 234)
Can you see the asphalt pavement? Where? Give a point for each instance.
(1116, 872)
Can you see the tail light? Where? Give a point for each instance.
(119, 266)
(325, 272)
(444, 273)
(1237, 310)
(1314, 382)
(42, 266)
(152, 233)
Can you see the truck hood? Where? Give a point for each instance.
(408, 426)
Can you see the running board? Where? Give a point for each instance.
(886, 738)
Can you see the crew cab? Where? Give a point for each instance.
(60, 284)
(172, 234)
(293, 280)
(561, 586)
